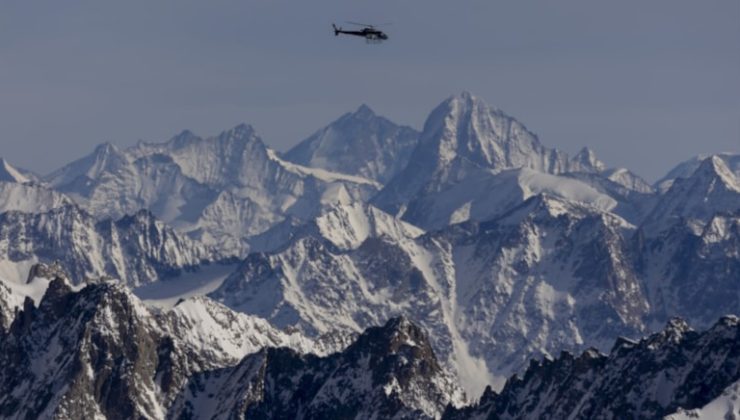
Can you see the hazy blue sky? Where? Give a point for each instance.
(644, 83)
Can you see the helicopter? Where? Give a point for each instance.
(371, 34)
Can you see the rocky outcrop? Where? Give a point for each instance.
(677, 368)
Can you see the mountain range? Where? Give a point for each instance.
(484, 248)
(99, 352)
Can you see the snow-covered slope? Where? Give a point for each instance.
(30, 197)
(223, 336)
(485, 195)
(359, 143)
(21, 281)
(136, 249)
(726, 406)
(220, 190)
(348, 226)
(586, 162)
(628, 179)
(549, 275)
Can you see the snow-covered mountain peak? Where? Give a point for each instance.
(363, 112)
(715, 166)
(358, 143)
(538, 207)
(676, 328)
(228, 150)
(687, 168)
(729, 321)
(465, 141)
(400, 331)
(240, 132)
(586, 161)
(58, 288)
(465, 101)
(395, 334)
(106, 158)
(8, 173)
(347, 226)
(628, 179)
(712, 188)
(465, 126)
(105, 149)
(183, 139)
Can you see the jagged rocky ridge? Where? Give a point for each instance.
(135, 249)
(675, 369)
(99, 352)
(388, 372)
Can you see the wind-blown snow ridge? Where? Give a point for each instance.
(321, 174)
(8, 173)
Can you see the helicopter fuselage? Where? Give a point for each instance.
(367, 33)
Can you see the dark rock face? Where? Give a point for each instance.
(100, 353)
(652, 378)
(388, 372)
(81, 355)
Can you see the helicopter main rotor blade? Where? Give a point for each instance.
(360, 24)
